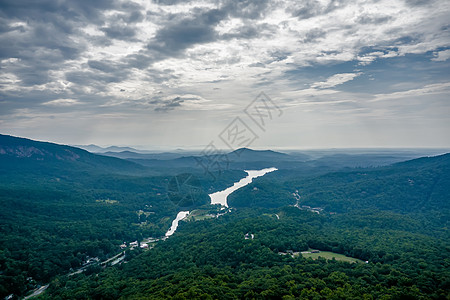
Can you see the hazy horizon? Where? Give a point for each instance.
(200, 149)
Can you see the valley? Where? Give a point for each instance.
(224, 150)
(225, 239)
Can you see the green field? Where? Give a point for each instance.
(198, 215)
(330, 255)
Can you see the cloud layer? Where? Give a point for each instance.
(180, 61)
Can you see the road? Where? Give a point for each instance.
(37, 292)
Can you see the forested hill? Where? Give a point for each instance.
(29, 155)
(433, 161)
(419, 186)
(412, 186)
(246, 154)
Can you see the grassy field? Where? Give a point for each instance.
(107, 201)
(198, 214)
(331, 255)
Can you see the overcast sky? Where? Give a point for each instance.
(177, 74)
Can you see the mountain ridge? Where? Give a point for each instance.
(27, 154)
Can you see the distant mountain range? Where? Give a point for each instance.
(97, 149)
(21, 152)
(25, 154)
(118, 149)
(246, 154)
(139, 155)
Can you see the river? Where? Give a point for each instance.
(216, 198)
(221, 196)
(180, 216)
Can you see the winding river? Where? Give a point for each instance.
(180, 216)
(221, 196)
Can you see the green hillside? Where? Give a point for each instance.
(63, 207)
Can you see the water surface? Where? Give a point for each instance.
(221, 196)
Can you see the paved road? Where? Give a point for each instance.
(37, 292)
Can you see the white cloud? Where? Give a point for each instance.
(335, 80)
(62, 102)
(441, 55)
(427, 90)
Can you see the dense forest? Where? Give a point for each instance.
(212, 259)
(62, 207)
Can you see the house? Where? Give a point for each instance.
(248, 236)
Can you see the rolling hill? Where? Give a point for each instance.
(42, 157)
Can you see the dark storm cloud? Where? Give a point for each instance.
(251, 31)
(161, 77)
(42, 43)
(122, 24)
(313, 35)
(181, 32)
(45, 35)
(373, 19)
(247, 9)
(140, 60)
(184, 32)
(89, 78)
(42, 37)
(311, 8)
(132, 13)
(49, 11)
(276, 56)
(38, 50)
(120, 32)
(38, 40)
(106, 66)
(418, 2)
(171, 2)
(170, 105)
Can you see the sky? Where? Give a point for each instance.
(222, 74)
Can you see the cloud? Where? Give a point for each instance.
(373, 19)
(335, 80)
(170, 104)
(212, 56)
(427, 90)
(95, 79)
(186, 102)
(121, 32)
(250, 31)
(312, 8)
(441, 55)
(106, 66)
(180, 34)
(62, 102)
